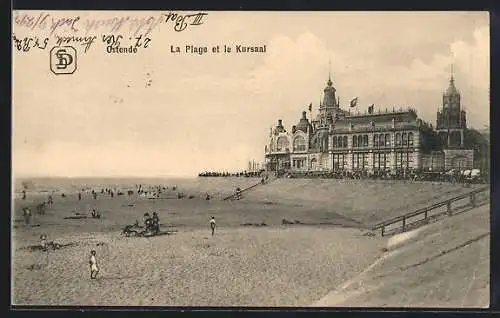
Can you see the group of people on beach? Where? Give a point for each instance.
(152, 223)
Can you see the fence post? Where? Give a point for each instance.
(404, 223)
(425, 215)
(382, 230)
(448, 208)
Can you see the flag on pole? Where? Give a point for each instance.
(310, 107)
(354, 102)
(370, 109)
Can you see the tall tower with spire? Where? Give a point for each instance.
(329, 108)
(451, 119)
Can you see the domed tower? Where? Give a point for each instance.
(329, 108)
(304, 124)
(451, 119)
(329, 100)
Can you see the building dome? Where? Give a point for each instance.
(304, 124)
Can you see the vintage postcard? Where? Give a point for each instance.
(204, 158)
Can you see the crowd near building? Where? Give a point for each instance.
(384, 141)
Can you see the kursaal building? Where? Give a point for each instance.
(391, 140)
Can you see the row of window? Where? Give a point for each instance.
(404, 139)
(340, 142)
(298, 163)
(380, 160)
(282, 144)
(379, 140)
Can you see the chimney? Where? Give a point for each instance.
(304, 115)
(280, 123)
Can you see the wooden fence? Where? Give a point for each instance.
(248, 188)
(404, 219)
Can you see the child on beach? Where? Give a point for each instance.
(94, 270)
(212, 225)
(43, 242)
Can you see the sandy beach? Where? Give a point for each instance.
(241, 265)
(236, 267)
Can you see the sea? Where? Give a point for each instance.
(58, 185)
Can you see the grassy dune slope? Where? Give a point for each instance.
(367, 202)
(445, 264)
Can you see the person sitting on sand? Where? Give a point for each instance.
(207, 197)
(94, 270)
(212, 225)
(95, 214)
(147, 221)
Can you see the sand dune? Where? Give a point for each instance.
(444, 264)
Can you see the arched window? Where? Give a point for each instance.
(354, 141)
(344, 142)
(405, 139)
(387, 140)
(410, 139)
(334, 142)
(365, 141)
(398, 139)
(381, 141)
(299, 144)
(282, 143)
(375, 140)
(313, 165)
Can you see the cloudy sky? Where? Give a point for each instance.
(214, 111)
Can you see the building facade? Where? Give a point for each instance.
(391, 141)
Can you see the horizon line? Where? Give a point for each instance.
(101, 176)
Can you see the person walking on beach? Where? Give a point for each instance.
(43, 242)
(94, 270)
(27, 216)
(212, 225)
(79, 196)
(156, 223)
